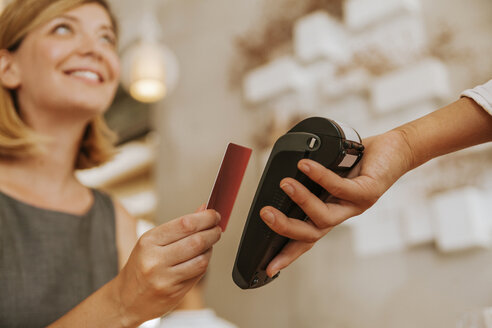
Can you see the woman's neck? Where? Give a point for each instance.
(47, 178)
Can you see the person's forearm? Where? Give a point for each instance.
(101, 309)
(457, 126)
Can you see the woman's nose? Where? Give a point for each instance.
(89, 46)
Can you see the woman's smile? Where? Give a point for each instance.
(90, 76)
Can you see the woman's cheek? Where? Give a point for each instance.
(114, 62)
(55, 51)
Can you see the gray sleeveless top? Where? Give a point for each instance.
(51, 261)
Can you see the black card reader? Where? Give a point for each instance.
(335, 146)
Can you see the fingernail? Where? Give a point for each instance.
(287, 188)
(218, 217)
(268, 216)
(274, 271)
(304, 167)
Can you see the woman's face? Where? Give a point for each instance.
(69, 66)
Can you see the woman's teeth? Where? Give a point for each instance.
(87, 75)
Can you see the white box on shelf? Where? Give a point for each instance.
(282, 75)
(320, 36)
(378, 231)
(305, 99)
(359, 14)
(378, 234)
(319, 71)
(354, 81)
(426, 80)
(392, 43)
(460, 220)
(417, 224)
(352, 110)
(301, 102)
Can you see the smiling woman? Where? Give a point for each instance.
(53, 41)
(68, 254)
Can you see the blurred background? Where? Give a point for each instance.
(198, 74)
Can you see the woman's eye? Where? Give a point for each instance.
(62, 29)
(109, 39)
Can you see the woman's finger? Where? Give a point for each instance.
(192, 246)
(192, 268)
(287, 255)
(182, 227)
(201, 208)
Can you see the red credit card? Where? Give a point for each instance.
(228, 181)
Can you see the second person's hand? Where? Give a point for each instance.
(386, 158)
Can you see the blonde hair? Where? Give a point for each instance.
(18, 140)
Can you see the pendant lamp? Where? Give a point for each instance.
(150, 69)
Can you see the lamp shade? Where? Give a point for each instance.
(149, 71)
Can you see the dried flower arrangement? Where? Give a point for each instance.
(273, 36)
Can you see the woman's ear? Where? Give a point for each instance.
(9, 72)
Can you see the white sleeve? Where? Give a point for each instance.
(482, 95)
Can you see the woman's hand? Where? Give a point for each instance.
(165, 263)
(386, 158)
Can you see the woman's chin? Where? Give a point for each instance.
(74, 112)
(88, 107)
(91, 101)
